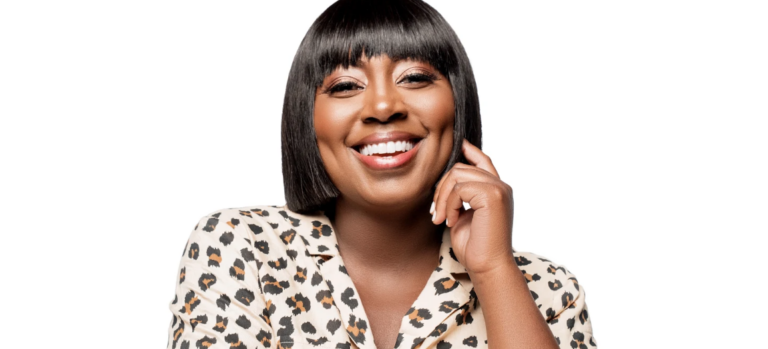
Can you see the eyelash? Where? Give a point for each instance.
(415, 77)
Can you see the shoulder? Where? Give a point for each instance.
(263, 227)
(553, 287)
(232, 228)
(246, 220)
(236, 214)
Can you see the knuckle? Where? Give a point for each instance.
(456, 169)
(498, 192)
(448, 176)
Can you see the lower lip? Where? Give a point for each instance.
(388, 162)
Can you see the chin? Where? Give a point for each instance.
(393, 197)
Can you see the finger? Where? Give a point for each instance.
(476, 157)
(436, 195)
(459, 167)
(439, 185)
(460, 193)
(479, 195)
(456, 175)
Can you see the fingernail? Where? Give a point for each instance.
(432, 208)
(433, 216)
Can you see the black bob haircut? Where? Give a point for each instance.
(401, 29)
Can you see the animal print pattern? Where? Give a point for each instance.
(267, 277)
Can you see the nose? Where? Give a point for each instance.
(383, 102)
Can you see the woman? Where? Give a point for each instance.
(381, 124)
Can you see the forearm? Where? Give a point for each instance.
(512, 318)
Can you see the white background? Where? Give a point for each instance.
(633, 133)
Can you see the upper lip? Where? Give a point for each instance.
(384, 137)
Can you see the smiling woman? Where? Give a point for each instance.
(424, 59)
(381, 124)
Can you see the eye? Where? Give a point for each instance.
(419, 77)
(343, 86)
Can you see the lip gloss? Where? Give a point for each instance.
(377, 162)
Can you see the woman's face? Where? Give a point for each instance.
(381, 101)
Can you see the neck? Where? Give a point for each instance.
(390, 238)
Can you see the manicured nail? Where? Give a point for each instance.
(433, 217)
(432, 208)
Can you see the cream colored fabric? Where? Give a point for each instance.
(267, 277)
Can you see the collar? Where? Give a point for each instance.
(316, 232)
(444, 300)
(319, 237)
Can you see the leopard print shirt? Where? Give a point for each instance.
(267, 277)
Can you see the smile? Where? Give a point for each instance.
(387, 155)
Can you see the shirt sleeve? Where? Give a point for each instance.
(218, 302)
(570, 323)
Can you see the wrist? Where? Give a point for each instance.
(501, 267)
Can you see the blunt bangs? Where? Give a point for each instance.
(340, 37)
(399, 29)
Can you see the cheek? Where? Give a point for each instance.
(330, 120)
(437, 112)
(436, 109)
(323, 122)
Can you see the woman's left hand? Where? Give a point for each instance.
(481, 236)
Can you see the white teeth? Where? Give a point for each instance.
(386, 148)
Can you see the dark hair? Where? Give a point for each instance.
(398, 28)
